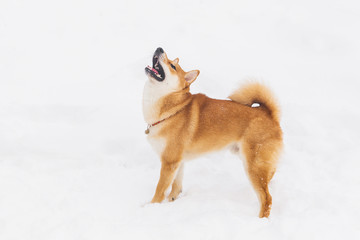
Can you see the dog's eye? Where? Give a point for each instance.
(173, 67)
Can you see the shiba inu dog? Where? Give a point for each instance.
(182, 126)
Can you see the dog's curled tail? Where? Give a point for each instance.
(257, 93)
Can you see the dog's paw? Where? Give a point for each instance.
(174, 195)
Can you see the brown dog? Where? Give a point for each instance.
(182, 126)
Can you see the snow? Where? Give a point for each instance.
(74, 160)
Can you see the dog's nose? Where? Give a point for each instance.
(159, 50)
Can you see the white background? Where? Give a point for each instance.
(74, 160)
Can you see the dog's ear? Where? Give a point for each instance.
(191, 76)
(176, 60)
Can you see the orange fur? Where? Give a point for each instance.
(196, 124)
(257, 93)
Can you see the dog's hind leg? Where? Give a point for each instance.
(260, 164)
(177, 184)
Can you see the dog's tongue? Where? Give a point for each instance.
(153, 69)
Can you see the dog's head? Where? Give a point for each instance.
(168, 74)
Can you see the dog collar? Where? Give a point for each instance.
(147, 131)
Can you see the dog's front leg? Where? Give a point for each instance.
(170, 163)
(177, 183)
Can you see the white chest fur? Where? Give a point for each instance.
(153, 92)
(150, 100)
(157, 143)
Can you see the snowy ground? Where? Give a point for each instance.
(74, 161)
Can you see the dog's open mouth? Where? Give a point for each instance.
(156, 71)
